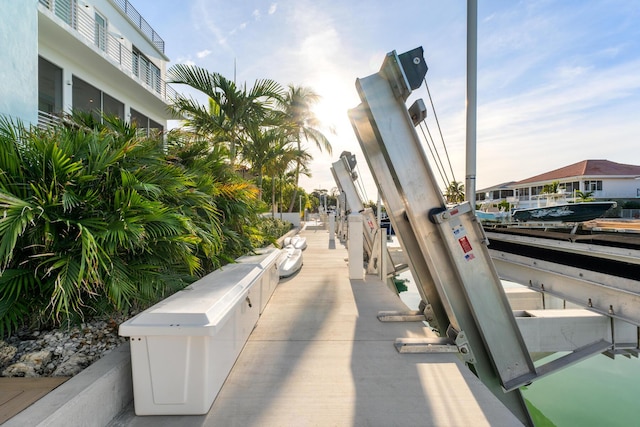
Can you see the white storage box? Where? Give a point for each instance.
(183, 348)
(265, 258)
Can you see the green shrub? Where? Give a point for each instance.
(93, 216)
(268, 230)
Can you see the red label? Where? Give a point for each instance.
(464, 243)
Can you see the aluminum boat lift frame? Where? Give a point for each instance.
(462, 295)
(342, 173)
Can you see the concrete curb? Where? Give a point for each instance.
(94, 397)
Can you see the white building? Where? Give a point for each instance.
(93, 55)
(605, 180)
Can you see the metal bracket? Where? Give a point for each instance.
(441, 215)
(401, 316)
(418, 112)
(430, 316)
(464, 348)
(425, 345)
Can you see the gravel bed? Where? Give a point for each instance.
(60, 352)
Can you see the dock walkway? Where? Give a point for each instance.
(319, 357)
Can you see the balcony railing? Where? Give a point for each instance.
(81, 22)
(47, 120)
(140, 22)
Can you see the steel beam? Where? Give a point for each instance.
(631, 256)
(602, 293)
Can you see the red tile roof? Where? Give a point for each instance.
(585, 168)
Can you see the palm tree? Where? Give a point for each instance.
(454, 192)
(232, 108)
(584, 196)
(234, 198)
(264, 146)
(280, 166)
(302, 124)
(551, 188)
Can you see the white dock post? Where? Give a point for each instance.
(356, 251)
(384, 254)
(332, 227)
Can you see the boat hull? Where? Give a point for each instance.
(570, 212)
(297, 242)
(289, 261)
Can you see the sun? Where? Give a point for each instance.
(337, 96)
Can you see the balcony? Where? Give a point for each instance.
(140, 22)
(112, 46)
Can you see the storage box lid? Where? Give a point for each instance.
(199, 309)
(264, 257)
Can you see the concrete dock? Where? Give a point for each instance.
(320, 357)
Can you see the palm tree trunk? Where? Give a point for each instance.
(273, 197)
(295, 190)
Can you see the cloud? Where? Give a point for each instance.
(203, 53)
(569, 117)
(273, 8)
(185, 61)
(256, 14)
(204, 19)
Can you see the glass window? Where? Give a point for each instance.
(100, 31)
(49, 87)
(146, 71)
(522, 193)
(156, 126)
(112, 106)
(506, 193)
(86, 97)
(593, 185)
(140, 120)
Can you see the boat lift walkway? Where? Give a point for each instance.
(320, 357)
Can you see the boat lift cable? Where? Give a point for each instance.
(435, 115)
(434, 152)
(362, 190)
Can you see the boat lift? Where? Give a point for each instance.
(462, 295)
(382, 260)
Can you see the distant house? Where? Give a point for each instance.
(605, 180)
(98, 56)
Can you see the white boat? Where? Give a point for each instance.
(557, 207)
(497, 216)
(297, 242)
(289, 261)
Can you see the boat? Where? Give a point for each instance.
(297, 242)
(566, 212)
(289, 261)
(488, 216)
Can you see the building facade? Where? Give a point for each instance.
(94, 55)
(601, 179)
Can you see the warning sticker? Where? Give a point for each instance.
(464, 243)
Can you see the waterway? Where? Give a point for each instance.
(597, 392)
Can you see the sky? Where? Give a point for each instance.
(558, 80)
